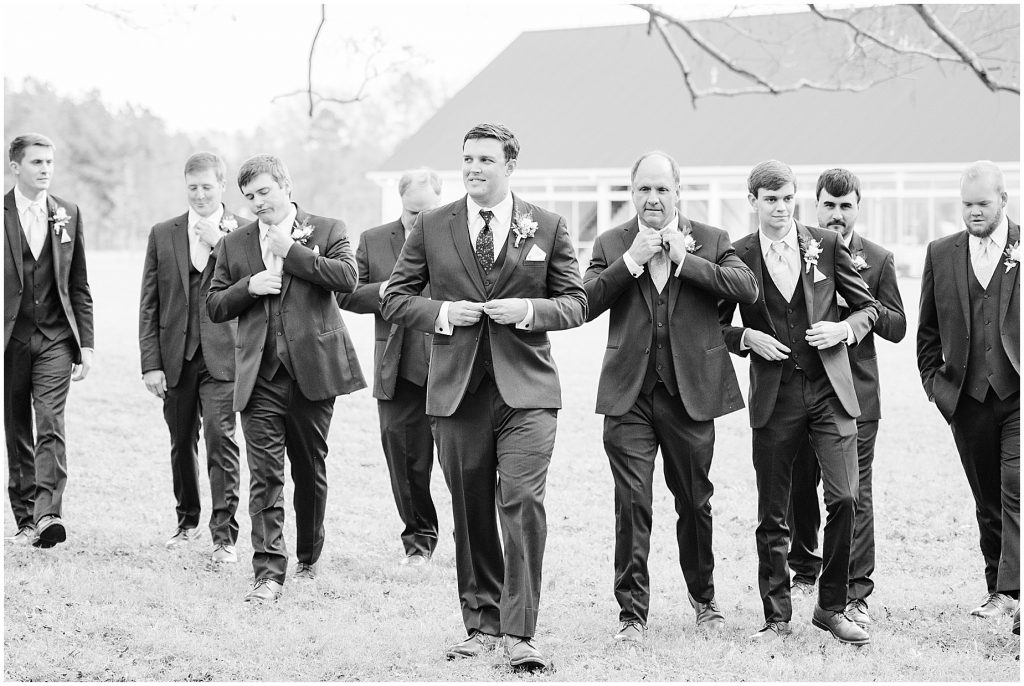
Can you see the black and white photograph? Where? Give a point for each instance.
(552, 341)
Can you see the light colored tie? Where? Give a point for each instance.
(780, 269)
(200, 251)
(36, 229)
(272, 261)
(982, 261)
(658, 265)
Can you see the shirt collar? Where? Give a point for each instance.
(999, 236)
(847, 239)
(194, 217)
(502, 211)
(285, 224)
(789, 239)
(673, 223)
(23, 201)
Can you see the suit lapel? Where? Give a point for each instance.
(182, 250)
(806, 275)
(1010, 277)
(12, 225)
(960, 266)
(253, 253)
(286, 278)
(512, 253)
(397, 241)
(458, 224)
(673, 284)
(751, 256)
(58, 263)
(628, 236)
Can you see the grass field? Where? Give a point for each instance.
(113, 604)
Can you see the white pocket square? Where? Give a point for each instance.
(64, 237)
(818, 276)
(316, 249)
(536, 254)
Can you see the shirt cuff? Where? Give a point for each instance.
(527, 322)
(743, 340)
(380, 291)
(635, 269)
(679, 269)
(850, 340)
(441, 324)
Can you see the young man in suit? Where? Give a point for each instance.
(801, 386)
(400, 359)
(968, 353)
(48, 338)
(278, 276)
(666, 376)
(502, 273)
(838, 206)
(187, 360)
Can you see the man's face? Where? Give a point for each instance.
(982, 205)
(485, 171)
(774, 208)
(655, 192)
(268, 200)
(35, 171)
(204, 191)
(838, 213)
(417, 199)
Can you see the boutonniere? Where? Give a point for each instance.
(523, 227)
(1012, 255)
(690, 244)
(302, 232)
(60, 218)
(859, 263)
(812, 249)
(228, 223)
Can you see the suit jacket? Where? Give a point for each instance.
(880, 278)
(943, 330)
(323, 358)
(438, 253)
(164, 306)
(376, 255)
(68, 267)
(704, 373)
(838, 276)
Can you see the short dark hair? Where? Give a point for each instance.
(16, 153)
(770, 175)
(655, 153)
(263, 164)
(838, 182)
(498, 132)
(201, 161)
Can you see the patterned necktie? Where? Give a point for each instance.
(485, 242)
(37, 229)
(658, 266)
(782, 273)
(981, 260)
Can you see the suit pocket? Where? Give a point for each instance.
(441, 339)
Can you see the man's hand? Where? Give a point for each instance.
(209, 233)
(156, 382)
(464, 313)
(765, 346)
(265, 282)
(675, 241)
(646, 244)
(280, 241)
(506, 310)
(80, 371)
(826, 334)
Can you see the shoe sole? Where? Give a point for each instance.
(529, 664)
(51, 536)
(825, 627)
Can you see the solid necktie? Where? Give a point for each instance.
(485, 242)
(984, 265)
(780, 269)
(37, 230)
(270, 260)
(658, 266)
(200, 251)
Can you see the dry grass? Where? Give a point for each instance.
(113, 604)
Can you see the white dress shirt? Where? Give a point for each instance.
(637, 270)
(273, 262)
(984, 266)
(33, 219)
(199, 252)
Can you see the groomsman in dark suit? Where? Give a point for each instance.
(187, 360)
(502, 273)
(838, 205)
(48, 337)
(968, 352)
(666, 376)
(801, 386)
(400, 359)
(278, 275)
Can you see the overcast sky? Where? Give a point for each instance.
(216, 65)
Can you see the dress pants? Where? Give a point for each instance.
(658, 419)
(409, 451)
(804, 517)
(495, 455)
(278, 418)
(37, 377)
(198, 398)
(987, 437)
(804, 407)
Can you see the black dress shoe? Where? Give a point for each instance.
(522, 654)
(306, 571)
(49, 532)
(771, 631)
(708, 614)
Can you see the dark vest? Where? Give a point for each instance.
(275, 348)
(192, 340)
(659, 363)
(40, 308)
(482, 363)
(790, 321)
(987, 363)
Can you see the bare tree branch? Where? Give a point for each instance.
(677, 56)
(878, 40)
(312, 47)
(961, 49)
(123, 17)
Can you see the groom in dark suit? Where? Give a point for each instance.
(502, 273)
(968, 352)
(666, 376)
(187, 360)
(48, 338)
(801, 386)
(278, 275)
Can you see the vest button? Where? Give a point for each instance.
(646, 350)
(660, 346)
(659, 367)
(660, 324)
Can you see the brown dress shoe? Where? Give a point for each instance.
(632, 631)
(522, 654)
(24, 536)
(181, 537)
(708, 614)
(224, 554)
(306, 571)
(839, 625)
(771, 631)
(802, 588)
(475, 645)
(415, 560)
(857, 611)
(995, 605)
(49, 532)
(264, 590)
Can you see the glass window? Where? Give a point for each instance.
(586, 222)
(916, 221)
(737, 218)
(622, 212)
(696, 209)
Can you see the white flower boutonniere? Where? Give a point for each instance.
(60, 218)
(1012, 256)
(812, 249)
(859, 263)
(523, 227)
(302, 232)
(690, 244)
(228, 223)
